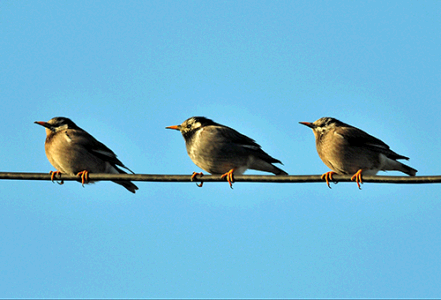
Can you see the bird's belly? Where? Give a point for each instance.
(350, 161)
(218, 163)
(72, 160)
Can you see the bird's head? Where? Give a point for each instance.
(323, 125)
(191, 125)
(57, 124)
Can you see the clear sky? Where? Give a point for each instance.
(124, 70)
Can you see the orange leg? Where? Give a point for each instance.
(229, 176)
(194, 175)
(84, 177)
(53, 173)
(328, 177)
(357, 177)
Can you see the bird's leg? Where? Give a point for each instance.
(53, 173)
(328, 177)
(229, 176)
(357, 177)
(84, 177)
(194, 175)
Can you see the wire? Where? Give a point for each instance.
(216, 178)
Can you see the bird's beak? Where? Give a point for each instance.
(175, 127)
(309, 124)
(44, 124)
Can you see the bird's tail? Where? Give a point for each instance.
(392, 164)
(128, 185)
(278, 171)
(261, 165)
(125, 183)
(406, 169)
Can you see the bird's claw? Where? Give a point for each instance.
(53, 173)
(194, 175)
(357, 177)
(229, 176)
(328, 177)
(84, 177)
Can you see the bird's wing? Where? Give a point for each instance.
(234, 137)
(358, 137)
(86, 140)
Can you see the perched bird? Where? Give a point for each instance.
(72, 150)
(219, 149)
(348, 150)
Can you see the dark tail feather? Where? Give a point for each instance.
(279, 171)
(266, 166)
(125, 183)
(408, 170)
(128, 185)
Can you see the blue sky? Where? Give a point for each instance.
(124, 70)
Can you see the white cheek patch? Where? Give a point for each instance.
(61, 128)
(321, 130)
(196, 125)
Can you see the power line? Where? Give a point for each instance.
(216, 178)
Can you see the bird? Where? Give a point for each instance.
(346, 149)
(218, 149)
(71, 150)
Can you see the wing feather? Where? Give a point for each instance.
(358, 137)
(83, 138)
(235, 137)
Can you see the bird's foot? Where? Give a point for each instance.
(229, 176)
(328, 177)
(357, 177)
(84, 177)
(194, 175)
(53, 173)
